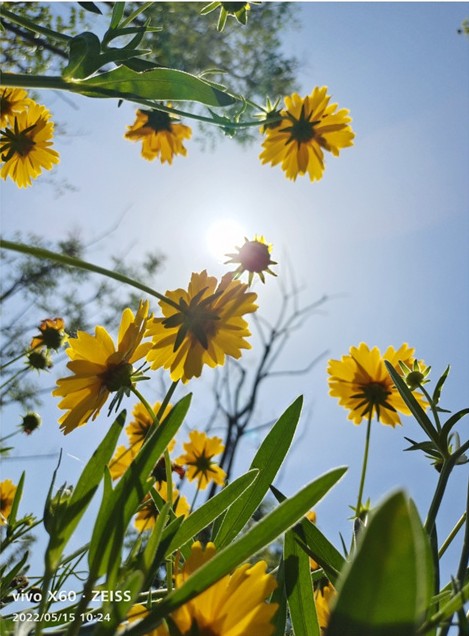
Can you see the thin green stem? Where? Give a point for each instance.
(449, 539)
(13, 377)
(195, 497)
(446, 470)
(18, 357)
(32, 26)
(71, 261)
(364, 466)
(432, 406)
(58, 83)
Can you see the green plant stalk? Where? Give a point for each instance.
(71, 261)
(456, 601)
(449, 539)
(446, 469)
(432, 406)
(32, 26)
(364, 466)
(167, 461)
(21, 80)
(13, 377)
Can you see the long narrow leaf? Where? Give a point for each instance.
(267, 460)
(299, 588)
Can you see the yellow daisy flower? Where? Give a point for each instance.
(309, 126)
(363, 385)
(253, 257)
(161, 135)
(207, 326)
(233, 606)
(198, 457)
(7, 496)
(25, 146)
(324, 597)
(147, 514)
(52, 334)
(99, 368)
(13, 101)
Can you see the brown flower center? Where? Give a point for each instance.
(117, 376)
(254, 256)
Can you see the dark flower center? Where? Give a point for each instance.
(16, 141)
(197, 318)
(158, 120)
(118, 376)
(254, 256)
(52, 338)
(376, 393)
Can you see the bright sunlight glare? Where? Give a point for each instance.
(223, 236)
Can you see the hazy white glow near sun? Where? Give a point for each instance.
(223, 236)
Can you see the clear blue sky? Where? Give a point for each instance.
(385, 232)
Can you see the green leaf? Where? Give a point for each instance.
(160, 84)
(316, 545)
(115, 515)
(384, 591)
(255, 539)
(439, 385)
(415, 408)
(267, 460)
(213, 508)
(90, 6)
(299, 588)
(278, 596)
(87, 485)
(454, 419)
(84, 56)
(117, 13)
(7, 578)
(16, 501)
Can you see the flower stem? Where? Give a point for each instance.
(33, 26)
(13, 377)
(22, 80)
(63, 259)
(364, 466)
(449, 539)
(433, 408)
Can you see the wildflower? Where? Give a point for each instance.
(253, 257)
(13, 101)
(7, 496)
(39, 360)
(99, 368)
(198, 457)
(25, 145)
(30, 422)
(415, 376)
(161, 135)
(324, 596)
(363, 385)
(233, 606)
(309, 126)
(206, 326)
(52, 334)
(148, 512)
(237, 10)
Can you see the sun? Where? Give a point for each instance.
(223, 236)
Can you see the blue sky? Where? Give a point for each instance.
(384, 233)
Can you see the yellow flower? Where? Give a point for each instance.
(25, 146)
(207, 326)
(309, 126)
(161, 135)
(148, 512)
(324, 597)
(253, 257)
(7, 496)
(99, 368)
(198, 457)
(13, 101)
(52, 334)
(233, 606)
(136, 431)
(363, 385)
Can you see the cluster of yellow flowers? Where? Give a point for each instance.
(25, 137)
(305, 128)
